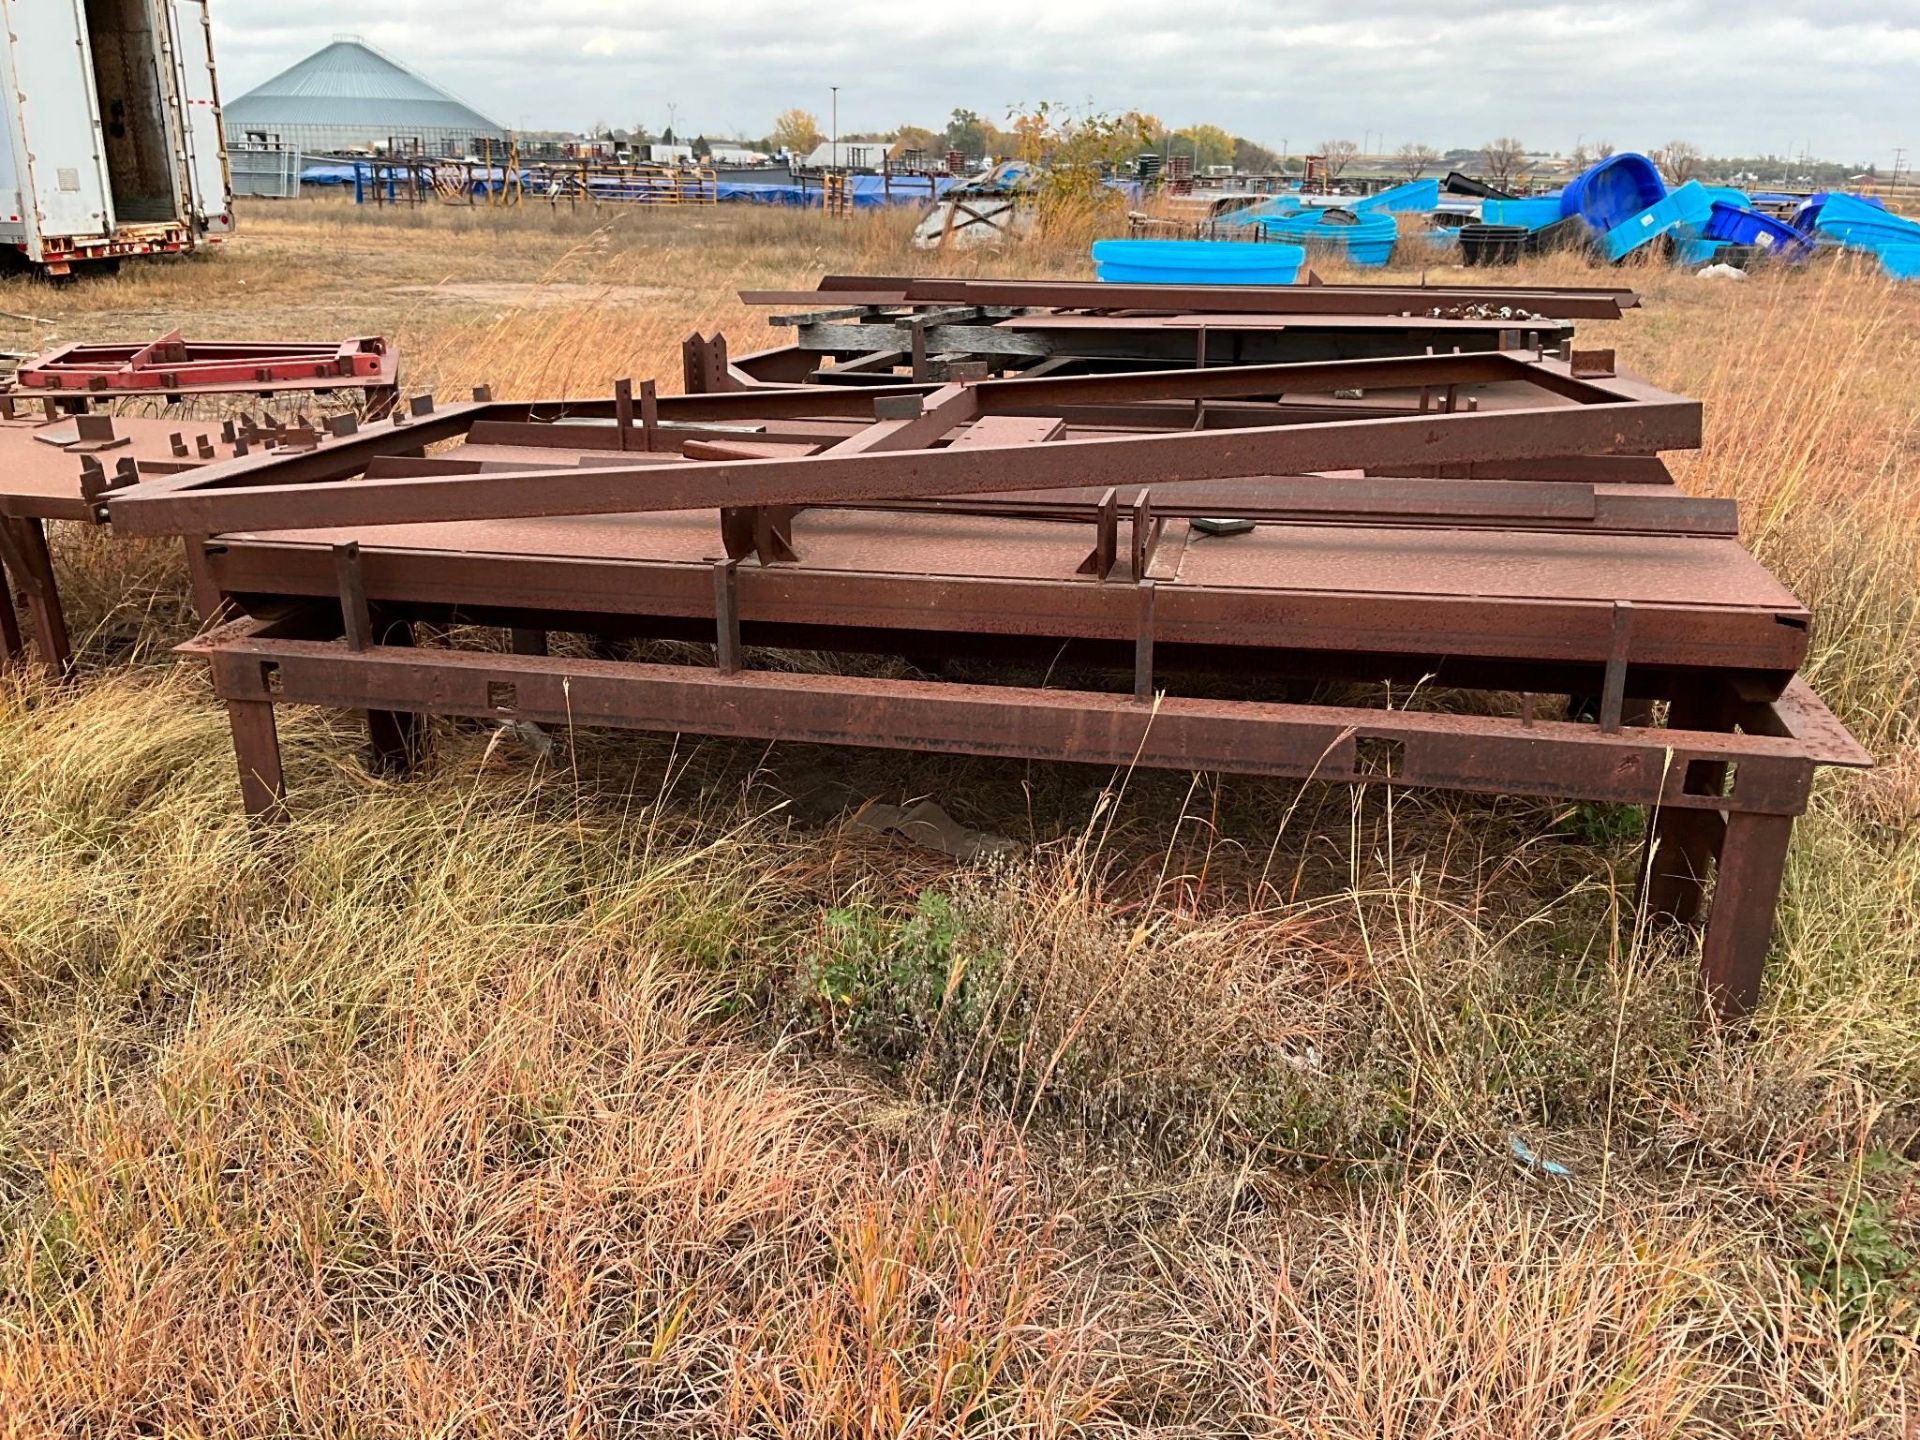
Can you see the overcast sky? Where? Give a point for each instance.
(1841, 77)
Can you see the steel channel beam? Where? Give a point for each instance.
(1714, 637)
(1155, 459)
(213, 499)
(1165, 348)
(1555, 302)
(1486, 755)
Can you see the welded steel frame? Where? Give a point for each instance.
(900, 453)
(1722, 796)
(868, 344)
(173, 368)
(329, 620)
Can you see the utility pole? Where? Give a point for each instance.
(835, 152)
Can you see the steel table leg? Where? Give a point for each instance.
(256, 746)
(1682, 844)
(13, 645)
(1753, 858)
(24, 547)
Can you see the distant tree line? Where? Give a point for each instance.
(1502, 161)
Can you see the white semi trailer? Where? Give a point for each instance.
(110, 136)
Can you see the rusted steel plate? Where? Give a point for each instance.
(984, 575)
(44, 463)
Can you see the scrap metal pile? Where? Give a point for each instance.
(1113, 556)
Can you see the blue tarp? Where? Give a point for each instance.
(869, 192)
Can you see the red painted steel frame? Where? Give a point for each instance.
(173, 366)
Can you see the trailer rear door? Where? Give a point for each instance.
(65, 184)
(200, 123)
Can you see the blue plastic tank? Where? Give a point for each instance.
(1807, 217)
(1412, 198)
(1687, 205)
(1363, 239)
(1901, 262)
(1196, 262)
(1618, 188)
(1863, 226)
(1749, 227)
(1533, 213)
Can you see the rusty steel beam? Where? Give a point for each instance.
(1743, 824)
(1486, 754)
(1155, 459)
(1553, 302)
(1571, 415)
(1763, 633)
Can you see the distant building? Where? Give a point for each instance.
(847, 155)
(350, 97)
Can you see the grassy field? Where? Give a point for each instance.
(629, 1089)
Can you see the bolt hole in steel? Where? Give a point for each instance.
(1711, 777)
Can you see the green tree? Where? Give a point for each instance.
(970, 134)
(1073, 153)
(1208, 144)
(1252, 158)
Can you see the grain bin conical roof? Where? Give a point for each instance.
(351, 86)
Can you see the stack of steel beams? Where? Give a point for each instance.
(869, 329)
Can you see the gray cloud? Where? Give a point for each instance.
(1754, 76)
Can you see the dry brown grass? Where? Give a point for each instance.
(623, 1091)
